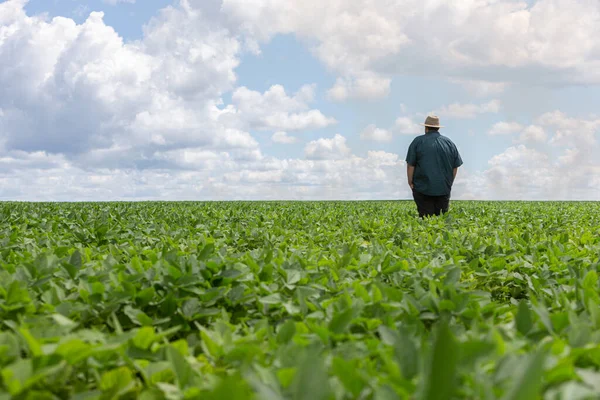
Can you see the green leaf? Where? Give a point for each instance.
(117, 381)
(209, 345)
(16, 294)
(271, 299)
(34, 345)
(347, 374)
(63, 321)
(406, 354)
(475, 349)
(341, 321)
(405, 350)
(16, 375)
(231, 387)
(440, 373)
(528, 382)
(388, 336)
(138, 317)
(190, 307)
(524, 319)
(544, 316)
(74, 350)
(286, 376)
(385, 393)
(590, 281)
(452, 277)
(206, 251)
(76, 259)
(146, 295)
(183, 371)
(311, 381)
(144, 337)
(286, 332)
(119, 377)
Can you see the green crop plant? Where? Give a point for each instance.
(299, 300)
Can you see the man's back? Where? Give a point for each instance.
(434, 157)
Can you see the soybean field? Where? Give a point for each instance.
(299, 300)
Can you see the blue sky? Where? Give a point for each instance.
(126, 18)
(518, 98)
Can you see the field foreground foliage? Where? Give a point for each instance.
(331, 300)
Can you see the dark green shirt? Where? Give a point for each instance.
(434, 157)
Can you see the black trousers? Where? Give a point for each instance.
(431, 205)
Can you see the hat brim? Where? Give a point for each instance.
(432, 126)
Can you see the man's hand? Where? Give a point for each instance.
(410, 171)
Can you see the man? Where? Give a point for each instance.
(432, 163)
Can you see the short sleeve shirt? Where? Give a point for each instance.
(434, 157)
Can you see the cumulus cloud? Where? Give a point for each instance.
(327, 149)
(480, 88)
(533, 134)
(192, 174)
(407, 126)
(568, 130)
(522, 173)
(283, 137)
(114, 2)
(520, 169)
(544, 42)
(505, 128)
(81, 90)
(375, 134)
(467, 111)
(85, 115)
(275, 110)
(80, 87)
(366, 88)
(536, 168)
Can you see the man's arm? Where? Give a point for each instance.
(455, 171)
(411, 162)
(410, 172)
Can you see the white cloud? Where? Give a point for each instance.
(81, 10)
(528, 135)
(283, 137)
(568, 129)
(312, 119)
(545, 42)
(570, 157)
(522, 173)
(481, 88)
(519, 170)
(365, 88)
(114, 2)
(531, 169)
(275, 110)
(533, 134)
(195, 173)
(327, 149)
(407, 126)
(85, 89)
(505, 128)
(466, 111)
(88, 116)
(375, 134)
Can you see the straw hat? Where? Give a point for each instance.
(433, 121)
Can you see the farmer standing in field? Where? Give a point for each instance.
(432, 163)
